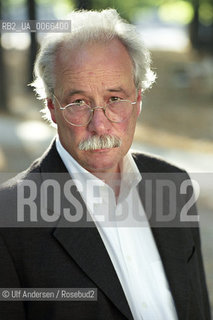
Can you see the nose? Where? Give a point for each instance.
(99, 123)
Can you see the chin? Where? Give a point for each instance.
(100, 168)
(105, 166)
(105, 160)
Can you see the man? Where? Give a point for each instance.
(143, 265)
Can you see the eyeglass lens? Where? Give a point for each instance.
(116, 111)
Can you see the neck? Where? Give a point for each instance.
(113, 179)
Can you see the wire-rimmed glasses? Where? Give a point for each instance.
(80, 114)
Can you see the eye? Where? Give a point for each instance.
(113, 99)
(79, 101)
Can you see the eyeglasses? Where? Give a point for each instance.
(80, 114)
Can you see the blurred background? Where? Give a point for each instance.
(177, 118)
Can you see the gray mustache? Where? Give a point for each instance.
(100, 142)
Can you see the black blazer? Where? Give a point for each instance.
(57, 256)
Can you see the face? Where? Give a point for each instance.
(96, 74)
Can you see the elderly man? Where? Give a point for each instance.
(92, 80)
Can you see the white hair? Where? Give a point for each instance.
(87, 27)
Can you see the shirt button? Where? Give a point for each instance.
(129, 258)
(144, 305)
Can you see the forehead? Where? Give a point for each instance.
(95, 65)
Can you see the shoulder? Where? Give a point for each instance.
(49, 162)
(8, 189)
(12, 193)
(12, 183)
(27, 184)
(151, 163)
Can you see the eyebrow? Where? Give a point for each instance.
(118, 89)
(76, 91)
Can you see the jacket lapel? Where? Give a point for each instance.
(174, 260)
(83, 242)
(85, 246)
(174, 244)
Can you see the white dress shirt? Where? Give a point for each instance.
(128, 241)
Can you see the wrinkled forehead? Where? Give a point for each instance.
(94, 60)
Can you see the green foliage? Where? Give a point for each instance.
(176, 11)
(173, 10)
(60, 8)
(206, 13)
(9, 3)
(125, 8)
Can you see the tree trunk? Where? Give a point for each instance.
(83, 4)
(3, 82)
(194, 26)
(34, 46)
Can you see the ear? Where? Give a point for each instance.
(51, 108)
(139, 101)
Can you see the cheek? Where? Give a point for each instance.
(58, 117)
(125, 130)
(129, 129)
(70, 138)
(76, 134)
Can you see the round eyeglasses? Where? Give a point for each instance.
(80, 114)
